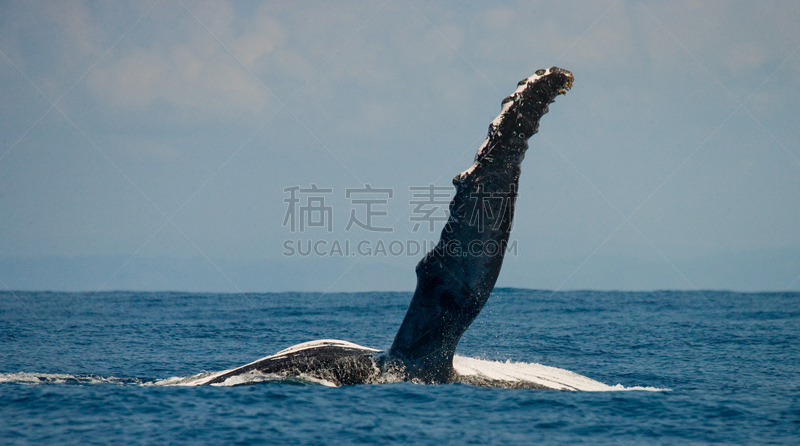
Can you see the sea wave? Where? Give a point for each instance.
(64, 378)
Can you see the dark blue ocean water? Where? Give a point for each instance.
(732, 362)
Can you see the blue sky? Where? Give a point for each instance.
(147, 145)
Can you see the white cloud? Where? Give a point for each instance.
(188, 70)
(218, 16)
(497, 18)
(79, 33)
(53, 43)
(737, 37)
(179, 76)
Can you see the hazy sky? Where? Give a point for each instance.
(147, 145)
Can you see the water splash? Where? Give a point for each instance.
(63, 378)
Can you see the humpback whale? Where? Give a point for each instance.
(454, 279)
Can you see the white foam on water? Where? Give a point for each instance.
(194, 380)
(251, 377)
(34, 378)
(64, 378)
(518, 374)
(191, 380)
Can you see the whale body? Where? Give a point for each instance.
(337, 362)
(454, 279)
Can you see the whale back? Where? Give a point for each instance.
(338, 362)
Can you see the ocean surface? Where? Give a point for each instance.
(663, 367)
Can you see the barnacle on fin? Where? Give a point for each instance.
(568, 85)
(540, 72)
